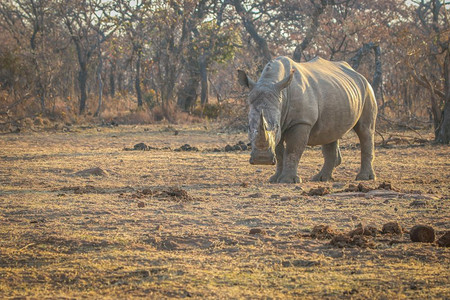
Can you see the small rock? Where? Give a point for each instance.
(422, 234)
(244, 184)
(228, 148)
(285, 198)
(141, 204)
(274, 196)
(444, 241)
(257, 231)
(255, 195)
(392, 228)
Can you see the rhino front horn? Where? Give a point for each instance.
(262, 138)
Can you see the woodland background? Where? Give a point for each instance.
(133, 62)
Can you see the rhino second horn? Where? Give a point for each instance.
(262, 138)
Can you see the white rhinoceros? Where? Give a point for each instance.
(314, 103)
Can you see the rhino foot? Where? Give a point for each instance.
(289, 179)
(365, 176)
(274, 178)
(322, 177)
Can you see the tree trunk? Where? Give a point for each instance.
(100, 84)
(377, 76)
(112, 81)
(443, 135)
(204, 80)
(188, 94)
(39, 84)
(443, 132)
(137, 82)
(82, 79)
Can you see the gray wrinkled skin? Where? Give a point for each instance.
(315, 103)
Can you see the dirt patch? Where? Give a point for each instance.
(87, 189)
(97, 171)
(134, 235)
(168, 194)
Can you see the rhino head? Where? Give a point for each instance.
(265, 100)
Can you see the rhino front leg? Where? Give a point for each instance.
(332, 159)
(279, 152)
(296, 139)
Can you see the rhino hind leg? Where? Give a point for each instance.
(366, 138)
(332, 159)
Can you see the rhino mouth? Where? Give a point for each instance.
(263, 145)
(264, 157)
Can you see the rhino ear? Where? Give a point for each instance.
(284, 83)
(244, 80)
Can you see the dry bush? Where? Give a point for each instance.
(234, 115)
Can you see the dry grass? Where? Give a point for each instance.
(126, 234)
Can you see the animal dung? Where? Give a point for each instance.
(422, 234)
(444, 241)
(392, 228)
(257, 231)
(344, 241)
(322, 232)
(320, 191)
(364, 230)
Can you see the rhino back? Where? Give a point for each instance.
(329, 96)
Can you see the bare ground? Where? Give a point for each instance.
(204, 224)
